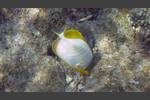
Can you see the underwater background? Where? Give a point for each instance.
(118, 37)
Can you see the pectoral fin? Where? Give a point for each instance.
(82, 71)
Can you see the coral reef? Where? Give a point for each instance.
(119, 39)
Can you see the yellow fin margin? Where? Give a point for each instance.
(73, 34)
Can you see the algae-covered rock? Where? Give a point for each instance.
(119, 39)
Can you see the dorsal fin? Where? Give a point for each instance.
(60, 35)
